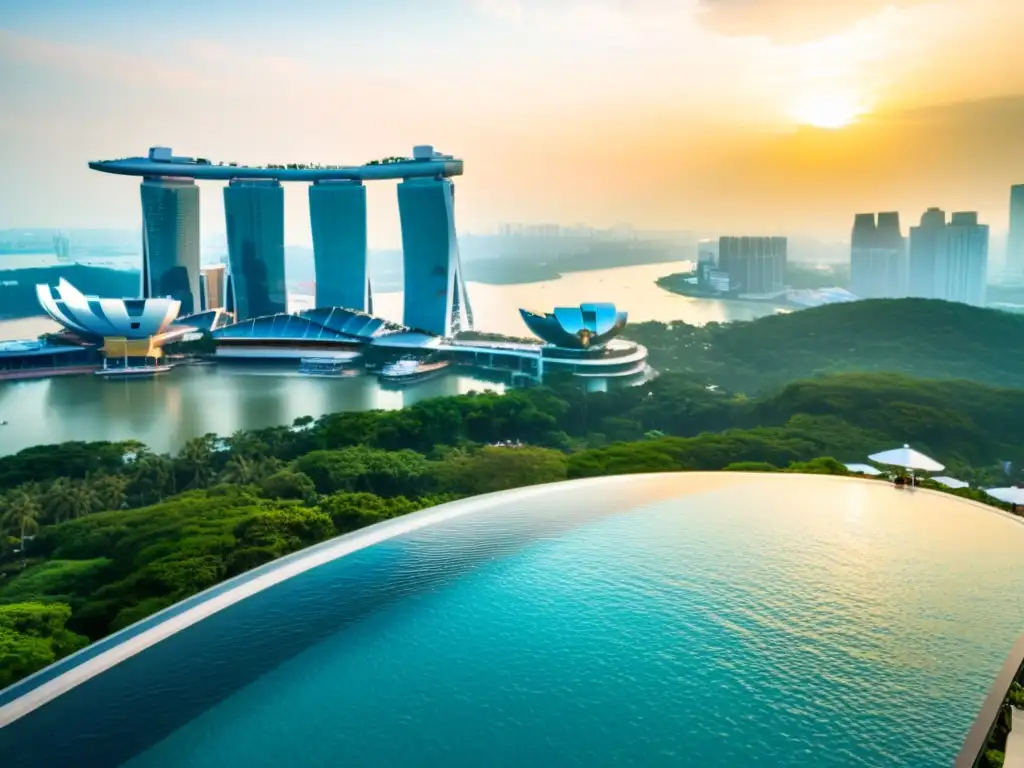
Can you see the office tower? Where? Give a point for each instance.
(925, 243)
(878, 257)
(229, 294)
(62, 248)
(213, 286)
(254, 209)
(962, 267)
(707, 252)
(337, 213)
(1015, 245)
(755, 265)
(170, 241)
(435, 296)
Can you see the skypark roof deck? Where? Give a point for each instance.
(161, 162)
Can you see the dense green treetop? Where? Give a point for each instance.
(919, 337)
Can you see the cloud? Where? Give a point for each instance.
(791, 21)
(96, 62)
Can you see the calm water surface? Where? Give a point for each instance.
(166, 411)
(760, 620)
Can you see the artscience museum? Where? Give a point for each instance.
(92, 316)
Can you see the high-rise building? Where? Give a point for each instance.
(961, 270)
(1015, 245)
(337, 213)
(435, 295)
(213, 287)
(926, 241)
(754, 264)
(878, 257)
(707, 252)
(170, 241)
(62, 248)
(254, 210)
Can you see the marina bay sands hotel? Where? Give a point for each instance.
(435, 296)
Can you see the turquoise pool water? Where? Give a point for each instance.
(774, 621)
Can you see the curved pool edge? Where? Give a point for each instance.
(27, 695)
(33, 692)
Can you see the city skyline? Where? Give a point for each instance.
(801, 120)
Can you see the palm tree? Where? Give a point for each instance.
(22, 516)
(246, 444)
(239, 470)
(196, 458)
(81, 501)
(108, 491)
(54, 500)
(150, 477)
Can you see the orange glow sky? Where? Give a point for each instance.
(675, 114)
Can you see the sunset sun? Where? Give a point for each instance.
(829, 110)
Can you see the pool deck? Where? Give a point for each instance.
(1015, 741)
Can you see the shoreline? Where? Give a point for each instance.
(701, 295)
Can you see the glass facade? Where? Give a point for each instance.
(925, 244)
(878, 257)
(961, 272)
(754, 264)
(326, 323)
(170, 241)
(337, 213)
(254, 211)
(1015, 244)
(435, 298)
(213, 285)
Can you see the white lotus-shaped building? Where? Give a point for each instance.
(93, 316)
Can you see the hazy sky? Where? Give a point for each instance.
(682, 114)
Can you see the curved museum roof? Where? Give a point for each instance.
(582, 327)
(320, 324)
(93, 316)
(425, 163)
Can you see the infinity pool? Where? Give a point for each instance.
(696, 619)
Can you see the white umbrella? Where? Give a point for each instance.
(1007, 495)
(907, 458)
(951, 482)
(863, 469)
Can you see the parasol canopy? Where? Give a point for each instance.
(1009, 495)
(951, 482)
(863, 469)
(907, 458)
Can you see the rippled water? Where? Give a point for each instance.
(699, 620)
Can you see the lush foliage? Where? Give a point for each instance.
(32, 636)
(919, 337)
(97, 536)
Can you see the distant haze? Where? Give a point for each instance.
(718, 116)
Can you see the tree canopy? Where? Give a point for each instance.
(920, 337)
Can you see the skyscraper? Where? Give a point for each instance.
(962, 267)
(213, 286)
(170, 241)
(254, 210)
(925, 243)
(435, 296)
(337, 213)
(878, 257)
(1015, 245)
(754, 264)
